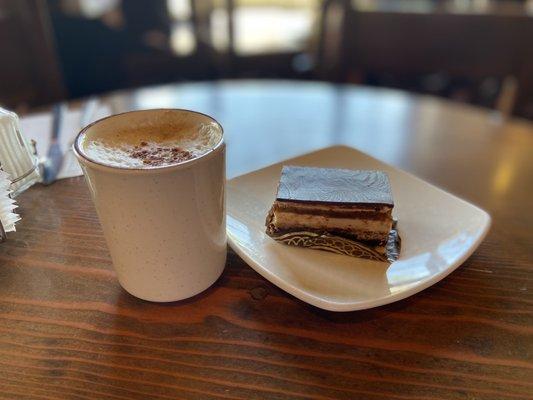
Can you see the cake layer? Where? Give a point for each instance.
(377, 212)
(355, 222)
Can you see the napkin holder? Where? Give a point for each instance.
(19, 169)
(17, 155)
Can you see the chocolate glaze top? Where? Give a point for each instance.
(334, 186)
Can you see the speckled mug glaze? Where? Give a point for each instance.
(165, 226)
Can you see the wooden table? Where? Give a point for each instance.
(68, 331)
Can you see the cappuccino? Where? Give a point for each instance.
(159, 143)
(157, 179)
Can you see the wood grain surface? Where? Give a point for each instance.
(68, 331)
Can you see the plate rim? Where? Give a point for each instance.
(356, 306)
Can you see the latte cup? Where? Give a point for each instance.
(165, 226)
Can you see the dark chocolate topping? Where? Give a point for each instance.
(325, 185)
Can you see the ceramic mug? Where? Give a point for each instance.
(165, 226)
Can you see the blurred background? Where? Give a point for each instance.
(473, 51)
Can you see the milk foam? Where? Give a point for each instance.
(122, 149)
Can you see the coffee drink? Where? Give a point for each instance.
(151, 144)
(157, 180)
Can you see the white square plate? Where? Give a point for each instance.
(438, 230)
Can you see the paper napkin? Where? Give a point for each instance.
(7, 205)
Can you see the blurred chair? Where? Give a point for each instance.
(74, 48)
(433, 52)
(30, 74)
(332, 41)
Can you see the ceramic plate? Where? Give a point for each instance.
(439, 232)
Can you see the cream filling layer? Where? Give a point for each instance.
(284, 220)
